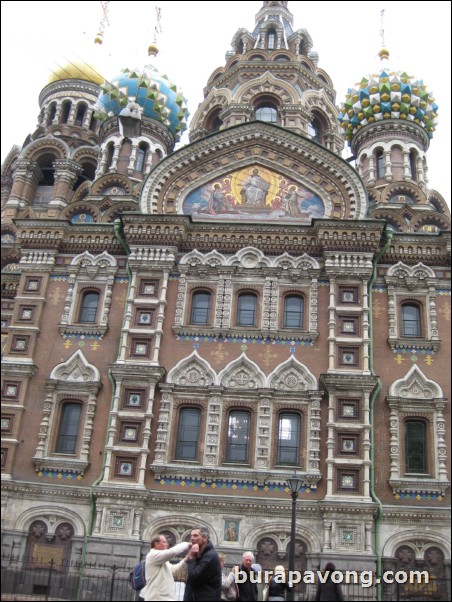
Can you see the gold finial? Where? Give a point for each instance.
(384, 52)
(99, 39)
(153, 49)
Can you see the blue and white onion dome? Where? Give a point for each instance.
(388, 95)
(159, 98)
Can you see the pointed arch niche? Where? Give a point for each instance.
(67, 417)
(417, 401)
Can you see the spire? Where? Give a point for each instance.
(384, 52)
(153, 49)
(103, 23)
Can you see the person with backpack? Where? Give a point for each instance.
(160, 573)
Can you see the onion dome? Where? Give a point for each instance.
(77, 70)
(388, 94)
(159, 98)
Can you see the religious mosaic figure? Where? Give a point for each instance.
(255, 189)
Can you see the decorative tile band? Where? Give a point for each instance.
(234, 486)
(419, 497)
(246, 341)
(69, 476)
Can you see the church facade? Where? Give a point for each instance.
(184, 330)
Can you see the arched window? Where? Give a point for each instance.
(88, 309)
(293, 311)
(66, 111)
(238, 440)
(411, 320)
(247, 310)
(200, 308)
(69, 428)
(380, 158)
(93, 124)
(315, 131)
(141, 157)
(415, 446)
(413, 165)
(110, 154)
(289, 429)
(80, 116)
(52, 113)
(271, 39)
(188, 434)
(268, 113)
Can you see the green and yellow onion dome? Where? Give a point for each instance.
(388, 95)
(159, 98)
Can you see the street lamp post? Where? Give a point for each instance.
(294, 482)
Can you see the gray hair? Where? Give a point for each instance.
(204, 531)
(248, 554)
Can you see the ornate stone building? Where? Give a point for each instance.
(184, 330)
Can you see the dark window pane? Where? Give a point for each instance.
(238, 437)
(188, 434)
(411, 321)
(247, 306)
(200, 309)
(88, 310)
(293, 312)
(289, 439)
(70, 421)
(416, 446)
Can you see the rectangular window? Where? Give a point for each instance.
(4, 456)
(125, 468)
(349, 357)
(238, 440)
(133, 398)
(144, 317)
(5, 323)
(415, 446)
(32, 284)
(140, 348)
(349, 294)
(349, 409)
(10, 390)
(188, 434)
(289, 439)
(149, 288)
(348, 444)
(20, 343)
(347, 480)
(69, 428)
(129, 432)
(7, 423)
(348, 325)
(26, 313)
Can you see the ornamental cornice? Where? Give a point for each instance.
(376, 131)
(419, 486)
(345, 382)
(42, 491)
(142, 374)
(11, 370)
(401, 514)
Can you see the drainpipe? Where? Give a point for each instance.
(388, 236)
(119, 233)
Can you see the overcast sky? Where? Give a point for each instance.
(195, 36)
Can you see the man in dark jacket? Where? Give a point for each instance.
(204, 569)
(247, 589)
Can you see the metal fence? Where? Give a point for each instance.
(48, 581)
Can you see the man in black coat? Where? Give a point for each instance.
(247, 590)
(204, 569)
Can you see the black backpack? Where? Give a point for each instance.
(137, 577)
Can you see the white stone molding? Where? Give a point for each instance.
(292, 376)
(242, 374)
(194, 371)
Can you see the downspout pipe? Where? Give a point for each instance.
(387, 240)
(119, 233)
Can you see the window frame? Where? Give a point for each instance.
(134, 346)
(10, 383)
(404, 321)
(230, 446)
(178, 452)
(298, 448)
(349, 402)
(149, 282)
(15, 340)
(240, 310)
(407, 470)
(58, 448)
(127, 424)
(301, 298)
(128, 393)
(83, 295)
(353, 290)
(343, 351)
(346, 472)
(193, 309)
(120, 460)
(28, 288)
